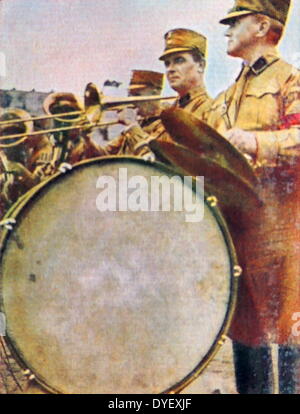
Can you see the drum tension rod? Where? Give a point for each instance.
(212, 200)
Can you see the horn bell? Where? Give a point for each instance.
(25, 128)
(63, 102)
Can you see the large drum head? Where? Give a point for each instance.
(115, 301)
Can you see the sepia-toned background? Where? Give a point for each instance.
(62, 45)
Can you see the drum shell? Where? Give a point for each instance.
(22, 213)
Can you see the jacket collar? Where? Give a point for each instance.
(261, 64)
(189, 97)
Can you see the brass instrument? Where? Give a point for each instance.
(67, 108)
(14, 121)
(66, 104)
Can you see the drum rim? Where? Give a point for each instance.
(24, 201)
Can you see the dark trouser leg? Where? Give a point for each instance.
(253, 369)
(289, 369)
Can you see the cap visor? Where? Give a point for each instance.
(175, 50)
(234, 15)
(137, 87)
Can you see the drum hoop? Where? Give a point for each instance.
(27, 199)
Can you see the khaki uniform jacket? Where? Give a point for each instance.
(269, 97)
(265, 101)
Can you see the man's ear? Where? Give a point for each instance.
(201, 66)
(264, 26)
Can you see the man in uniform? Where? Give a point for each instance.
(184, 58)
(260, 115)
(142, 83)
(23, 165)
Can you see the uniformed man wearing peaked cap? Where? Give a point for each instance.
(146, 83)
(184, 40)
(142, 83)
(260, 115)
(276, 9)
(141, 79)
(184, 58)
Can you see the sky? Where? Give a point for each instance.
(62, 45)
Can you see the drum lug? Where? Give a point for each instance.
(8, 223)
(212, 201)
(27, 373)
(64, 167)
(150, 157)
(237, 271)
(222, 340)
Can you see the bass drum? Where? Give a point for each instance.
(115, 301)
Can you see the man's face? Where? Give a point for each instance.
(183, 73)
(241, 36)
(145, 109)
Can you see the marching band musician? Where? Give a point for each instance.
(16, 179)
(23, 165)
(19, 175)
(142, 83)
(40, 151)
(64, 139)
(260, 115)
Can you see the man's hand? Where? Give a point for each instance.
(16, 168)
(128, 117)
(245, 141)
(20, 175)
